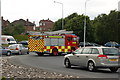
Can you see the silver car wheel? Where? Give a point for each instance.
(113, 69)
(91, 66)
(67, 63)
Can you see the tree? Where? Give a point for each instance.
(75, 23)
(18, 29)
(106, 27)
(57, 25)
(13, 29)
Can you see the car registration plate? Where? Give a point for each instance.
(113, 59)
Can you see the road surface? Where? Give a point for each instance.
(55, 64)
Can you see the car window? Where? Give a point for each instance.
(11, 39)
(95, 51)
(86, 51)
(110, 51)
(78, 51)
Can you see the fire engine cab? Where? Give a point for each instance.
(53, 43)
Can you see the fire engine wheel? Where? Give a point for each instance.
(55, 51)
(40, 54)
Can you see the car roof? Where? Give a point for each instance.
(15, 44)
(97, 47)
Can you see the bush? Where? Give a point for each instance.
(20, 37)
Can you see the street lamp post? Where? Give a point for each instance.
(85, 22)
(62, 13)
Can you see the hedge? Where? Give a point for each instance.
(20, 37)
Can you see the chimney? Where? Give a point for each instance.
(2, 18)
(27, 20)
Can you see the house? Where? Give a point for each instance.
(45, 25)
(29, 26)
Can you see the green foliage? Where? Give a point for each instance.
(57, 25)
(18, 29)
(75, 23)
(106, 27)
(102, 29)
(21, 37)
(3, 78)
(13, 29)
(8, 30)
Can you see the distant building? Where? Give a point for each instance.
(45, 25)
(119, 6)
(29, 26)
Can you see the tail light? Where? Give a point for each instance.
(16, 48)
(102, 56)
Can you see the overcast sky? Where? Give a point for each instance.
(36, 10)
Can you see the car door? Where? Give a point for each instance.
(83, 57)
(94, 55)
(75, 56)
(22, 49)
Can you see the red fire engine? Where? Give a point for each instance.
(53, 43)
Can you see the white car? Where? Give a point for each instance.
(18, 48)
(93, 58)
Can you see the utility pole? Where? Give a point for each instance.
(85, 22)
(62, 13)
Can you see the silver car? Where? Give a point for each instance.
(93, 58)
(18, 48)
(4, 51)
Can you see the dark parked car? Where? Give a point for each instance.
(81, 44)
(94, 44)
(88, 44)
(112, 44)
(23, 42)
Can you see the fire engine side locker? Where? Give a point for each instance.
(53, 43)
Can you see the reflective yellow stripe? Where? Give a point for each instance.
(56, 47)
(69, 47)
(66, 50)
(59, 50)
(55, 36)
(48, 47)
(73, 42)
(45, 50)
(63, 47)
(50, 50)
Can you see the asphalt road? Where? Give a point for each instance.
(55, 64)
